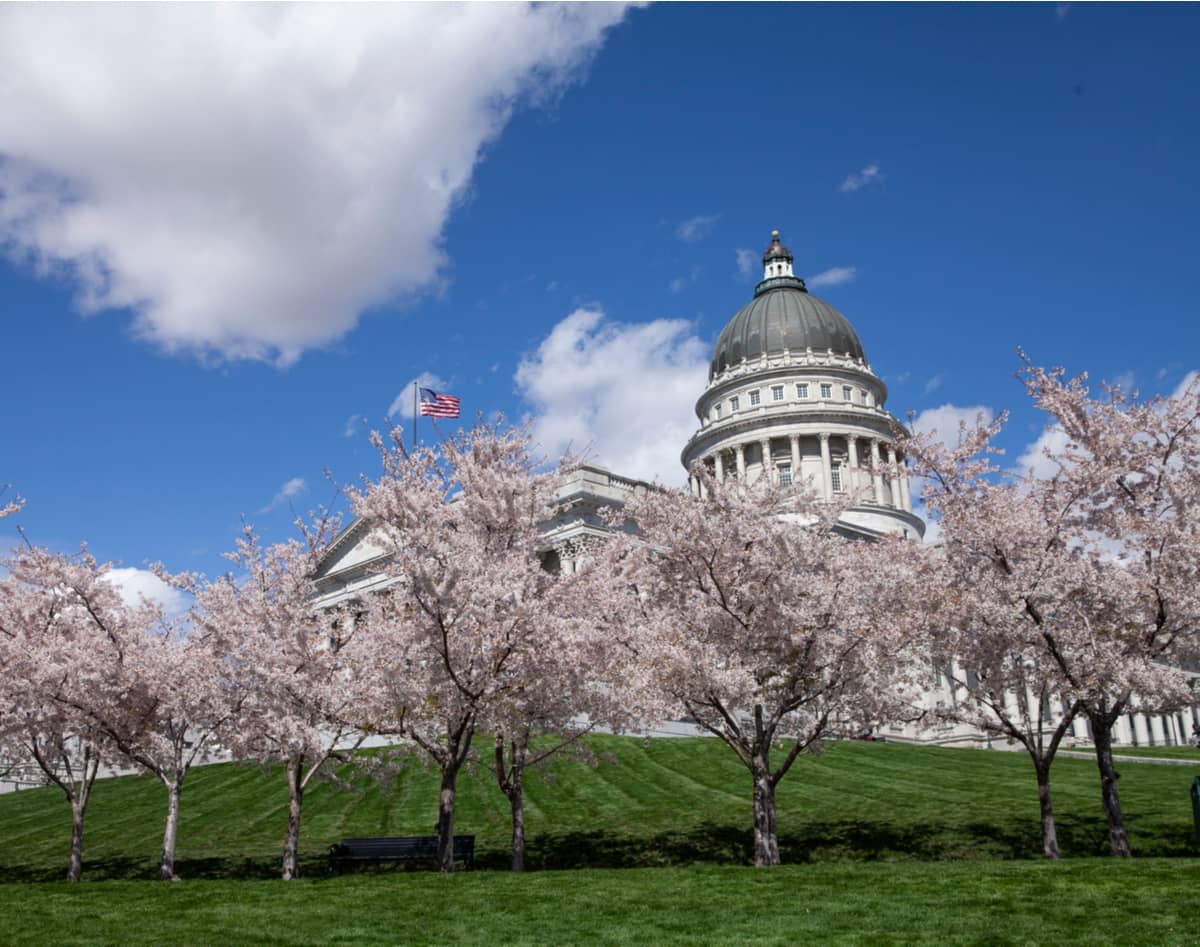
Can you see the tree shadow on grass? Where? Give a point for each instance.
(826, 841)
(705, 843)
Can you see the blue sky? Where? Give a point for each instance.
(232, 237)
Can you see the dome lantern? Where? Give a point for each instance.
(777, 260)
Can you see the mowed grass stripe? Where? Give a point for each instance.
(668, 801)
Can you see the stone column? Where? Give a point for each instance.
(894, 481)
(905, 495)
(852, 465)
(1123, 731)
(1140, 730)
(719, 465)
(1157, 731)
(826, 468)
(768, 462)
(795, 442)
(741, 461)
(877, 476)
(1079, 728)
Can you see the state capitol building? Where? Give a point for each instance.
(790, 395)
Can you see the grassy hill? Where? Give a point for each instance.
(663, 802)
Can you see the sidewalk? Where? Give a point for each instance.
(1122, 758)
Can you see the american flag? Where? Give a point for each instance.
(434, 405)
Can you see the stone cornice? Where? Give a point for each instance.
(808, 361)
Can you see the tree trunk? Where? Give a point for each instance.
(1109, 795)
(511, 780)
(291, 845)
(516, 798)
(766, 844)
(445, 853)
(166, 865)
(75, 865)
(78, 798)
(1049, 832)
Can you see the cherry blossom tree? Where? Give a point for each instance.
(1136, 466)
(291, 661)
(158, 694)
(766, 626)
(52, 608)
(578, 669)
(1075, 592)
(9, 507)
(174, 704)
(464, 637)
(1005, 609)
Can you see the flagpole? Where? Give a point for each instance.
(414, 415)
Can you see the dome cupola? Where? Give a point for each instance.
(783, 317)
(777, 262)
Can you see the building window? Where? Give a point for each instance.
(733, 404)
(847, 393)
(755, 397)
(802, 392)
(717, 410)
(835, 478)
(785, 475)
(863, 395)
(826, 391)
(777, 392)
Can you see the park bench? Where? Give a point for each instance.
(404, 849)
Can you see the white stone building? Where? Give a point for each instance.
(790, 394)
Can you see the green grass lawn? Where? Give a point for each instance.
(884, 842)
(664, 802)
(1084, 901)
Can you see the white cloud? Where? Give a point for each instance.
(401, 408)
(1033, 459)
(832, 277)
(353, 425)
(138, 584)
(900, 378)
(696, 228)
(292, 488)
(621, 394)
(933, 384)
(861, 179)
(746, 260)
(247, 179)
(680, 283)
(1188, 380)
(946, 422)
